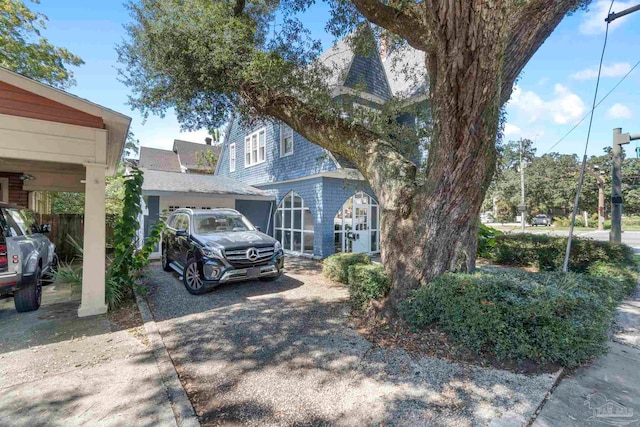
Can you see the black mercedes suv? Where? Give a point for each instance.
(216, 246)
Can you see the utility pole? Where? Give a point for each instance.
(619, 139)
(600, 179)
(598, 174)
(565, 267)
(523, 206)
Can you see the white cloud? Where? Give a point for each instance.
(510, 129)
(614, 70)
(565, 107)
(619, 111)
(593, 19)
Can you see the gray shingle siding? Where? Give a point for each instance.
(335, 192)
(307, 158)
(368, 71)
(324, 196)
(311, 192)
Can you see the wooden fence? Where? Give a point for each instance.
(63, 225)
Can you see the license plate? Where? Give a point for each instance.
(253, 272)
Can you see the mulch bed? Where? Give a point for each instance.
(127, 316)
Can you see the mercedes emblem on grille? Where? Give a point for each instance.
(252, 254)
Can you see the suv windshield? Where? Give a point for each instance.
(220, 222)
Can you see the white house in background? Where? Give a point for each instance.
(51, 140)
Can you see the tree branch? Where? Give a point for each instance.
(377, 159)
(529, 26)
(404, 23)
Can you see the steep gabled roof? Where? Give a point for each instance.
(156, 159)
(356, 70)
(406, 72)
(186, 152)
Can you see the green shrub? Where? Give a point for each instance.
(547, 252)
(336, 266)
(626, 278)
(545, 317)
(487, 240)
(67, 273)
(367, 282)
(566, 221)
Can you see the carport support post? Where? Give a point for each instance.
(93, 262)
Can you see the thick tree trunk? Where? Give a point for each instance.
(438, 233)
(474, 52)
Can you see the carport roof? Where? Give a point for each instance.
(115, 123)
(161, 181)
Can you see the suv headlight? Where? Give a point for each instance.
(277, 246)
(212, 253)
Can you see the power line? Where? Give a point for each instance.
(565, 267)
(596, 106)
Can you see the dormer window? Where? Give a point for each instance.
(255, 148)
(286, 140)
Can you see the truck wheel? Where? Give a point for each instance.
(166, 262)
(192, 278)
(29, 297)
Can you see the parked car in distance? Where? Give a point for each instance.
(216, 246)
(541, 219)
(27, 257)
(487, 218)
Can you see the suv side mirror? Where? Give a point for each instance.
(181, 232)
(258, 228)
(45, 228)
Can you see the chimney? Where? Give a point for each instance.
(207, 141)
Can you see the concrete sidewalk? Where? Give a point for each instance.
(606, 392)
(59, 370)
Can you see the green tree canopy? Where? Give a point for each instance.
(207, 59)
(24, 50)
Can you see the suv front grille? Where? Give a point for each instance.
(239, 256)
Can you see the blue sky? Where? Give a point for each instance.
(553, 93)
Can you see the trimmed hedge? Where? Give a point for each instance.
(547, 252)
(626, 278)
(336, 267)
(545, 317)
(366, 283)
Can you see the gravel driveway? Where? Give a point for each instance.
(283, 354)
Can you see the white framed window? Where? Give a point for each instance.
(359, 215)
(255, 149)
(262, 146)
(294, 225)
(286, 140)
(232, 157)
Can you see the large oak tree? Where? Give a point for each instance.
(206, 58)
(23, 48)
